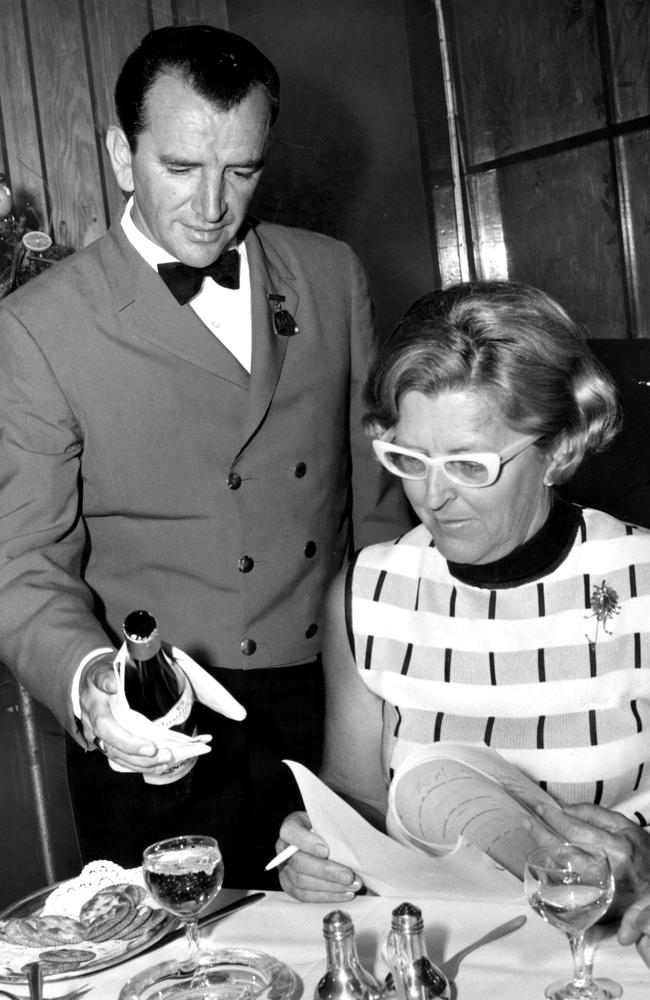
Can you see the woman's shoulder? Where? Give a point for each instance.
(602, 526)
(417, 537)
(411, 555)
(604, 543)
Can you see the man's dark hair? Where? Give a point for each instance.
(219, 65)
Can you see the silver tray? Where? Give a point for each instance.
(31, 905)
(224, 974)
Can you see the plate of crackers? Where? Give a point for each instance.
(80, 926)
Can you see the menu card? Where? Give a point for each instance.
(389, 868)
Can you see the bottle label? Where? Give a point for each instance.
(176, 716)
(170, 774)
(179, 712)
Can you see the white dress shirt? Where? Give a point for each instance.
(225, 311)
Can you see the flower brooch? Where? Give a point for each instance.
(604, 605)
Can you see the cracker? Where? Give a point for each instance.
(63, 956)
(54, 968)
(53, 929)
(136, 892)
(14, 933)
(104, 904)
(138, 924)
(105, 928)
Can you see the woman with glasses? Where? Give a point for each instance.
(507, 617)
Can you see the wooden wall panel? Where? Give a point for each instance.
(20, 151)
(161, 13)
(112, 31)
(189, 12)
(58, 63)
(67, 128)
(629, 33)
(527, 73)
(201, 11)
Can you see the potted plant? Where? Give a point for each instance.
(25, 250)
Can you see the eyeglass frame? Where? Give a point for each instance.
(492, 460)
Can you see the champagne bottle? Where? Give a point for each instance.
(156, 687)
(345, 978)
(414, 975)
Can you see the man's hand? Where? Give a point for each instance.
(626, 844)
(635, 927)
(97, 693)
(309, 875)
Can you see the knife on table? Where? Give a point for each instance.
(211, 918)
(35, 978)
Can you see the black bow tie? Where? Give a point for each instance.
(185, 281)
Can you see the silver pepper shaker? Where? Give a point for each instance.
(415, 977)
(345, 978)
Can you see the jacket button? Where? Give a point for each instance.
(248, 647)
(233, 480)
(299, 470)
(311, 631)
(310, 549)
(245, 564)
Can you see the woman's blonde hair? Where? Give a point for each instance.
(515, 344)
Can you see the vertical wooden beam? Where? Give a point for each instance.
(66, 121)
(201, 12)
(112, 31)
(431, 113)
(162, 13)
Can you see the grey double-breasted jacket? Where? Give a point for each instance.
(142, 466)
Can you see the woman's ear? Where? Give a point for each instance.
(558, 458)
(121, 157)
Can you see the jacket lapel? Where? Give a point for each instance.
(151, 312)
(270, 275)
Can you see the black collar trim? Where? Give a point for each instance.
(536, 558)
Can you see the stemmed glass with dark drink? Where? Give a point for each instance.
(184, 874)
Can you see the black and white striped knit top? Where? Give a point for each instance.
(544, 656)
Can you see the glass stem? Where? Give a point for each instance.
(192, 935)
(581, 976)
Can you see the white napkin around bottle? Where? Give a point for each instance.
(206, 689)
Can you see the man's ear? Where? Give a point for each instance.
(121, 159)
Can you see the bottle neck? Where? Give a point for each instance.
(142, 650)
(414, 975)
(411, 943)
(341, 951)
(141, 635)
(404, 952)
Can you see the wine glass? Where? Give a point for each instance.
(184, 874)
(571, 887)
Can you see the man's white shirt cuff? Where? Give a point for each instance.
(94, 655)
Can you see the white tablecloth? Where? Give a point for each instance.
(517, 967)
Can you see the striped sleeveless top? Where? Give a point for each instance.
(553, 673)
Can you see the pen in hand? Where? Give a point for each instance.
(282, 856)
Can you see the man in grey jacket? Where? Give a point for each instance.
(186, 446)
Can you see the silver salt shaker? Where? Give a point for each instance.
(345, 978)
(415, 977)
